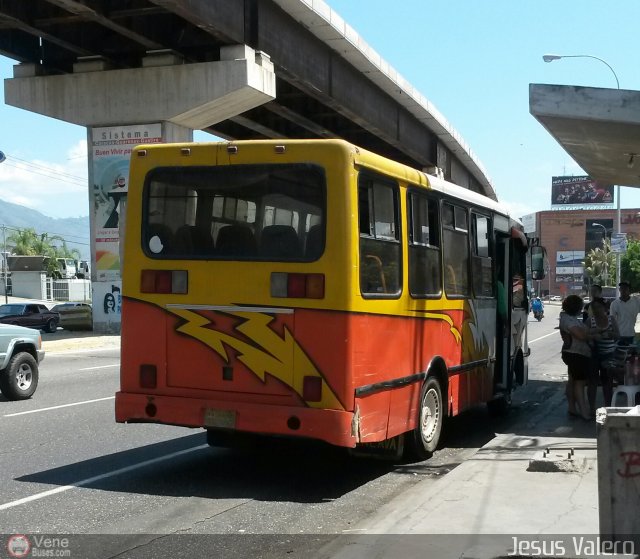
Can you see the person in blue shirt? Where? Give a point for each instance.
(536, 305)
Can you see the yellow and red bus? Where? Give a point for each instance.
(310, 288)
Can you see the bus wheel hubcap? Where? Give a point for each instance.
(430, 415)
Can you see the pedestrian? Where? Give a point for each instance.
(625, 310)
(595, 293)
(604, 330)
(576, 354)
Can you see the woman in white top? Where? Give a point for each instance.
(576, 354)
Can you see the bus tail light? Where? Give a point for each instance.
(301, 286)
(312, 389)
(148, 376)
(164, 281)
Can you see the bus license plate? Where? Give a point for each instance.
(225, 419)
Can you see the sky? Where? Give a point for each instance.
(473, 59)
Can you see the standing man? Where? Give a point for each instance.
(625, 310)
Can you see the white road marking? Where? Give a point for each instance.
(65, 352)
(83, 482)
(100, 367)
(61, 406)
(554, 333)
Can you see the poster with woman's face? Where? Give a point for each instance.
(107, 302)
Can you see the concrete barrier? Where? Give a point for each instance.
(619, 474)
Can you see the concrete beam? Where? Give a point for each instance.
(599, 128)
(190, 95)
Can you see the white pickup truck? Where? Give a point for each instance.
(20, 353)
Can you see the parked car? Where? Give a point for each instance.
(74, 316)
(31, 315)
(556, 298)
(20, 352)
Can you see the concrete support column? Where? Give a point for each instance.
(163, 100)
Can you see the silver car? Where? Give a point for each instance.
(20, 353)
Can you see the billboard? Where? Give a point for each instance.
(569, 263)
(579, 192)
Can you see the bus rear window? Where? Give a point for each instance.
(239, 212)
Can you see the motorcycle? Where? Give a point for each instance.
(538, 315)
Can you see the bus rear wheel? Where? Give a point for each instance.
(423, 440)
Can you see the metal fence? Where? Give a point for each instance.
(68, 290)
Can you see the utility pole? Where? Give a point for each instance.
(3, 157)
(4, 261)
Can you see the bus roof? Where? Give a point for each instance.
(375, 161)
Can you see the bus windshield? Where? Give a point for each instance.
(236, 212)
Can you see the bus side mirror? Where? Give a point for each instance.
(538, 257)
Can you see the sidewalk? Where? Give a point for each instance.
(66, 340)
(531, 492)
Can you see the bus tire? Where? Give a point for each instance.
(423, 440)
(499, 406)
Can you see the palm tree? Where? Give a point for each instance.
(600, 264)
(29, 243)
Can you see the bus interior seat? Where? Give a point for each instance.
(191, 240)
(163, 233)
(451, 285)
(279, 241)
(236, 240)
(314, 243)
(373, 279)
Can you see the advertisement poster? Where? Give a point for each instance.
(619, 242)
(111, 150)
(580, 192)
(107, 305)
(570, 266)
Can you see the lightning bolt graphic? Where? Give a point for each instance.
(455, 332)
(280, 357)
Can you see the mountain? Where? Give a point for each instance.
(74, 230)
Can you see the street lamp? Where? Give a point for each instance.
(552, 57)
(606, 262)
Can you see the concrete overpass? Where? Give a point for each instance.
(598, 127)
(134, 70)
(328, 81)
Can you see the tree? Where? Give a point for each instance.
(630, 265)
(29, 243)
(600, 264)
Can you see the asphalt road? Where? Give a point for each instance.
(66, 467)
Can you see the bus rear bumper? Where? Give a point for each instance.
(332, 426)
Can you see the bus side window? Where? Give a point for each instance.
(455, 244)
(425, 276)
(380, 251)
(482, 262)
(373, 275)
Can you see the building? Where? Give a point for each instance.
(568, 235)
